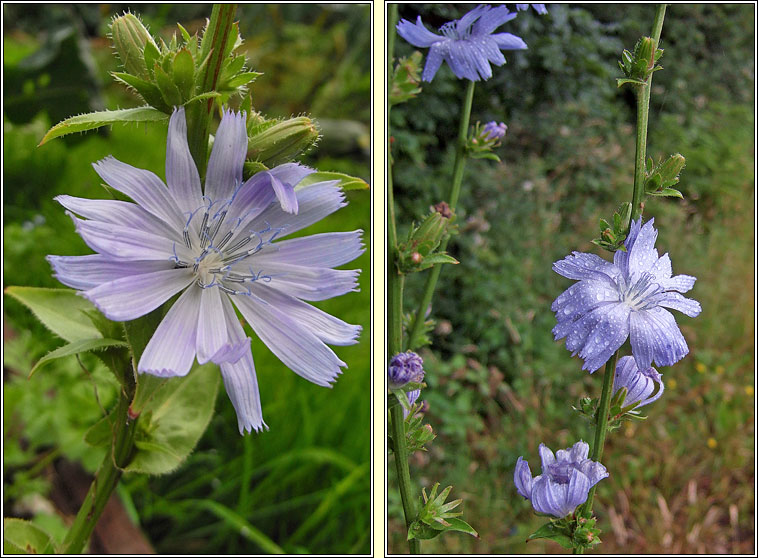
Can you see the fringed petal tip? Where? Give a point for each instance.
(161, 373)
(248, 428)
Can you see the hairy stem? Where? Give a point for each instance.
(214, 42)
(394, 277)
(403, 472)
(455, 191)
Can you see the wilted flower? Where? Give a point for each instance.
(640, 384)
(405, 367)
(624, 299)
(565, 481)
(216, 249)
(467, 44)
(539, 8)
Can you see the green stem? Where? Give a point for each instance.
(106, 478)
(643, 111)
(403, 472)
(602, 423)
(455, 191)
(394, 278)
(214, 42)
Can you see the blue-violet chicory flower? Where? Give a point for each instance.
(468, 44)
(218, 250)
(494, 130)
(539, 8)
(640, 384)
(565, 481)
(413, 396)
(405, 367)
(624, 299)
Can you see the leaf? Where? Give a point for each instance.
(456, 524)
(60, 310)
(168, 88)
(100, 433)
(242, 79)
(554, 533)
(484, 155)
(622, 81)
(75, 348)
(147, 90)
(184, 73)
(670, 192)
(23, 537)
(173, 421)
(93, 120)
(347, 182)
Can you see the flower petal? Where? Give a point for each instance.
(681, 283)
(324, 326)
(224, 172)
(461, 60)
(181, 173)
(125, 242)
(583, 297)
(522, 478)
(492, 19)
(416, 33)
(171, 350)
(130, 297)
(285, 193)
(656, 337)
(550, 497)
(578, 490)
(315, 202)
(144, 187)
(87, 272)
(609, 333)
(299, 350)
(594, 471)
(580, 265)
(508, 41)
(211, 328)
(118, 212)
(242, 388)
(546, 456)
(317, 250)
(686, 306)
(311, 283)
(433, 61)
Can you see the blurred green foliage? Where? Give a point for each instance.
(681, 482)
(304, 486)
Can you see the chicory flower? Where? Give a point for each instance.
(539, 8)
(640, 384)
(494, 131)
(565, 482)
(217, 249)
(468, 44)
(626, 298)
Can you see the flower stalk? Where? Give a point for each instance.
(643, 111)
(455, 191)
(109, 473)
(403, 471)
(199, 114)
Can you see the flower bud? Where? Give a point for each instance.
(129, 38)
(494, 131)
(671, 168)
(283, 141)
(643, 386)
(404, 368)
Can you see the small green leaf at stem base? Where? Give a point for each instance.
(93, 120)
(24, 537)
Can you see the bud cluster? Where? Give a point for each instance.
(166, 75)
(660, 178)
(483, 139)
(613, 235)
(419, 251)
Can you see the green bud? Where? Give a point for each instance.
(283, 141)
(671, 168)
(419, 251)
(129, 38)
(644, 52)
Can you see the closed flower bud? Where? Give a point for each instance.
(283, 142)
(404, 368)
(671, 168)
(494, 131)
(129, 38)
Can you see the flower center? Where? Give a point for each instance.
(218, 260)
(560, 471)
(637, 295)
